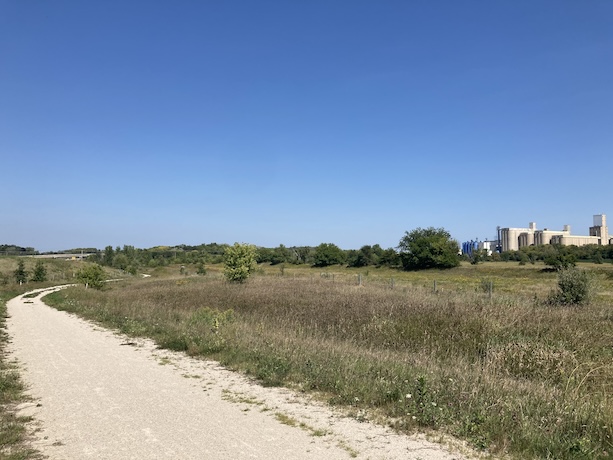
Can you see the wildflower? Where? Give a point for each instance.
(409, 396)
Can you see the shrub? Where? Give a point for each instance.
(574, 288)
(239, 262)
(91, 276)
(20, 273)
(40, 272)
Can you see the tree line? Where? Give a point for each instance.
(557, 256)
(418, 249)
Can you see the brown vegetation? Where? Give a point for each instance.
(508, 372)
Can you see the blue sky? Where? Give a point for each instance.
(273, 122)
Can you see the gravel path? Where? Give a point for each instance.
(100, 395)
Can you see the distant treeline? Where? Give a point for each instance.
(549, 253)
(130, 259)
(13, 250)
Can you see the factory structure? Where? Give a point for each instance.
(512, 239)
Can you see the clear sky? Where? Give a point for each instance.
(300, 122)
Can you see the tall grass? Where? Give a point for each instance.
(507, 373)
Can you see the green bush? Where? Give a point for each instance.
(239, 262)
(574, 288)
(91, 276)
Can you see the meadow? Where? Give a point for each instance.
(475, 352)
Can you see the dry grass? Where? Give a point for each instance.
(507, 373)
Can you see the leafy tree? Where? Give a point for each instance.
(303, 255)
(109, 255)
(264, 255)
(597, 258)
(280, 255)
(40, 272)
(389, 258)
(367, 255)
(121, 261)
(91, 276)
(328, 254)
(239, 262)
(428, 248)
(560, 258)
(20, 273)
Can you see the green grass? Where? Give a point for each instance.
(508, 373)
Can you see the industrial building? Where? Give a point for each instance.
(511, 239)
(471, 246)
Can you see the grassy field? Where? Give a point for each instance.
(502, 370)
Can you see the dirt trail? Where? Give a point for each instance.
(100, 395)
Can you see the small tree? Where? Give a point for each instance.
(428, 248)
(91, 276)
(40, 272)
(239, 262)
(20, 273)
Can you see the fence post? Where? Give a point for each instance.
(359, 279)
(435, 286)
(392, 283)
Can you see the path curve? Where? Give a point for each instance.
(100, 395)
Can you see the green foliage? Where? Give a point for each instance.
(280, 255)
(239, 262)
(560, 258)
(478, 255)
(574, 287)
(91, 276)
(13, 250)
(109, 255)
(428, 248)
(327, 254)
(121, 261)
(367, 255)
(20, 273)
(40, 272)
(389, 258)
